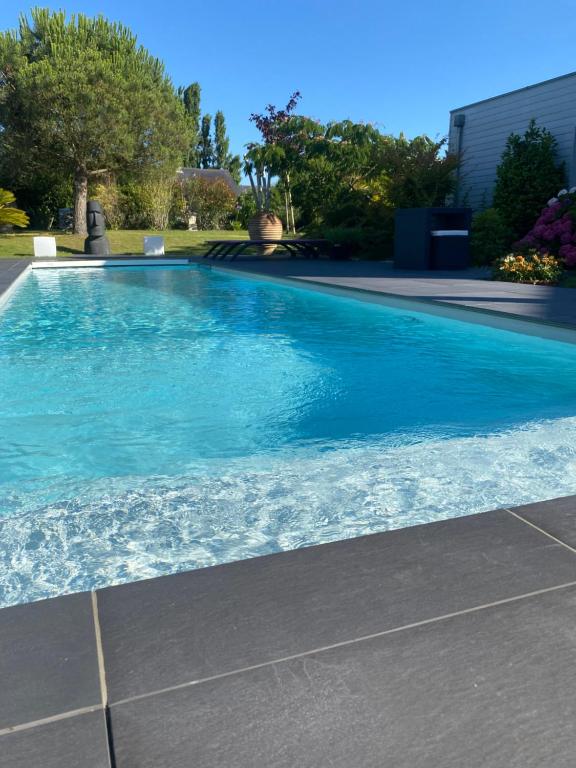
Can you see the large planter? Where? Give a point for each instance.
(265, 226)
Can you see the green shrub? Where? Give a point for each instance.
(158, 192)
(245, 209)
(358, 242)
(109, 196)
(42, 197)
(490, 237)
(528, 175)
(134, 205)
(213, 202)
(147, 203)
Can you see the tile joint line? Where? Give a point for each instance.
(542, 531)
(344, 643)
(102, 678)
(51, 719)
(99, 649)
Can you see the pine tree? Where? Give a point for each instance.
(222, 156)
(80, 98)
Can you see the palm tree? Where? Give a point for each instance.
(10, 215)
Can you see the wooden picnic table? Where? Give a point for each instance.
(308, 249)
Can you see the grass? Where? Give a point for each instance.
(125, 241)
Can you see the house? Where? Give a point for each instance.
(209, 174)
(478, 133)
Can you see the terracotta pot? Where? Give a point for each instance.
(265, 226)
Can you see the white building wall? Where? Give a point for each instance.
(487, 125)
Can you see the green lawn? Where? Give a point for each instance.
(126, 241)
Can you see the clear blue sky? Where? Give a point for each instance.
(400, 65)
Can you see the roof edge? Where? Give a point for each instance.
(516, 90)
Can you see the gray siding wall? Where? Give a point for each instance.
(489, 123)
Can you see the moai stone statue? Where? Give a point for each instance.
(96, 244)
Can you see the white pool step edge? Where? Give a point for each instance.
(128, 262)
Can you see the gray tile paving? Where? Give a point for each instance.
(557, 517)
(490, 689)
(48, 662)
(10, 269)
(172, 630)
(76, 742)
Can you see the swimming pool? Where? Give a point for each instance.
(161, 419)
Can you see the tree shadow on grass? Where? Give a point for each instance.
(73, 251)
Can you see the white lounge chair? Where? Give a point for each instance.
(44, 247)
(154, 246)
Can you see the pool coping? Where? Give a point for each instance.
(7, 289)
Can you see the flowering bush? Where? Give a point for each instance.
(531, 267)
(555, 229)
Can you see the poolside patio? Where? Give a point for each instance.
(447, 645)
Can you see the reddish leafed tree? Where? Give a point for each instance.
(272, 124)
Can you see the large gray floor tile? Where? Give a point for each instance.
(48, 662)
(190, 626)
(557, 517)
(76, 742)
(494, 688)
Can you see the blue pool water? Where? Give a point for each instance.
(154, 420)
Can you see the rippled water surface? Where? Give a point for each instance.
(154, 419)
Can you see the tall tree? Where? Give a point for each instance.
(80, 98)
(222, 156)
(191, 99)
(221, 141)
(206, 148)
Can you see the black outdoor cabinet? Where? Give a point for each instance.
(432, 238)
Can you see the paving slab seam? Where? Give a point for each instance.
(542, 531)
(102, 678)
(345, 643)
(52, 719)
(99, 650)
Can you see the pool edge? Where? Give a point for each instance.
(526, 326)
